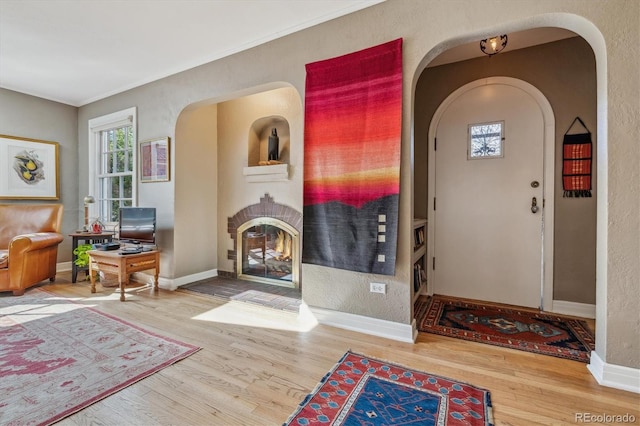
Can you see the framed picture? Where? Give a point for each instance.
(154, 160)
(28, 169)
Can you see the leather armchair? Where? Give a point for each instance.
(29, 238)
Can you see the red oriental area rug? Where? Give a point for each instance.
(58, 357)
(506, 326)
(367, 391)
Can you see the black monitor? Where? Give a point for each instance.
(138, 225)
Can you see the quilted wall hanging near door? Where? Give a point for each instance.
(576, 162)
(353, 118)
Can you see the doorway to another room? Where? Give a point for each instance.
(563, 249)
(489, 208)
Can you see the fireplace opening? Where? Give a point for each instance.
(267, 252)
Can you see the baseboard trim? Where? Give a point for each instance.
(614, 376)
(174, 283)
(575, 309)
(367, 325)
(63, 266)
(165, 283)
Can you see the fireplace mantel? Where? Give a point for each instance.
(271, 173)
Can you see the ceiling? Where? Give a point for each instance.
(516, 40)
(78, 51)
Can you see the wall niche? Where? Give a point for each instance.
(259, 139)
(258, 153)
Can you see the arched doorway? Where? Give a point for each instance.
(574, 236)
(492, 224)
(604, 295)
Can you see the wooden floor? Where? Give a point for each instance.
(256, 365)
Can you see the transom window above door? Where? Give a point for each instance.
(486, 140)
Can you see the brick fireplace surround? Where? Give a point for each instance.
(265, 208)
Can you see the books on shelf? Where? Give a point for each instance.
(419, 277)
(418, 238)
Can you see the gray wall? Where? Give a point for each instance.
(570, 86)
(26, 116)
(427, 27)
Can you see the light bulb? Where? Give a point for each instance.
(494, 43)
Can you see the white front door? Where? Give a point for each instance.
(488, 241)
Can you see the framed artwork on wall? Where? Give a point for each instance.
(28, 169)
(154, 160)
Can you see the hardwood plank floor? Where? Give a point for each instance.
(256, 365)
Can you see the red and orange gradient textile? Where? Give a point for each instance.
(353, 118)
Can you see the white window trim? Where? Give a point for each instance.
(96, 125)
(470, 139)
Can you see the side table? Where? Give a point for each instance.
(123, 264)
(87, 238)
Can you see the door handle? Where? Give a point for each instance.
(534, 205)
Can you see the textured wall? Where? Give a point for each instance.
(196, 191)
(428, 27)
(34, 118)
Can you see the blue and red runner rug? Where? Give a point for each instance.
(367, 391)
(506, 326)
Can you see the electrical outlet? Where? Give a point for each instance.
(378, 288)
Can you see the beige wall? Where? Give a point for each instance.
(570, 86)
(430, 26)
(34, 118)
(235, 119)
(196, 191)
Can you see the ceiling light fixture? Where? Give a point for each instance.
(493, 45)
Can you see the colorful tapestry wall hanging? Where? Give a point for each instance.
(368, 391)
(576, 162)
(353, 118)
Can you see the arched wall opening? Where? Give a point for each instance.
(214, 139)
(587, 31)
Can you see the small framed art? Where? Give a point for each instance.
(28, 169)
(154, 160)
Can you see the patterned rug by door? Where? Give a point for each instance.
(507, 326)
(58, 357)
(367, 391)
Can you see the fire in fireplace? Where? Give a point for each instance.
(269, 249)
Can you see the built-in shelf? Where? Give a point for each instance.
(419, 280)
(271, 173)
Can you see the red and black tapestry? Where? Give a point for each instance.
(576, 163)
(353, 118)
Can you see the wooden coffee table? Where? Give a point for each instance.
(123, 265)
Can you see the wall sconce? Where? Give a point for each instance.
(493, 45)
(87, 200)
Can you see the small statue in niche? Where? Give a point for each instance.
(274, 141)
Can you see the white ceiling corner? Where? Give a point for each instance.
(78, 51)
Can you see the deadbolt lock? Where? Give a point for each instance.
(535, 184)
